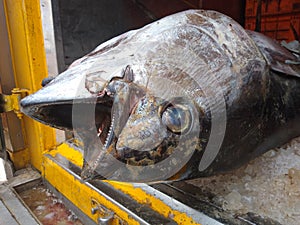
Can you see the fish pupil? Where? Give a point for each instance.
(175, 118)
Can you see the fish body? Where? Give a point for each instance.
(190, 95)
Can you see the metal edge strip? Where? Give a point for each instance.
(108, 198)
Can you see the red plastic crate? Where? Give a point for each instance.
(279, 19)
(272, 7)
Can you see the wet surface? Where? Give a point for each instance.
(47, 207)
(268, 186)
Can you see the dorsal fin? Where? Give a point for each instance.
(279, 59)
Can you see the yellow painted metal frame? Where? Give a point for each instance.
(75, 190)
(156, 204)
(23, 19)
(27, 46)
(80, 194)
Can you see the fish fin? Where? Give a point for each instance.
(279, 58)
(128, 74)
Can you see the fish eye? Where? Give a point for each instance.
(177, 118)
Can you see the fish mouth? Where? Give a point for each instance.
(58, 114)
(73, 115)
(61, 115)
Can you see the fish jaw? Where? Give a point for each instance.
(53, 104)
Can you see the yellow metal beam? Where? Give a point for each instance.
(25, 33)
(81, 194)
(156, 204)
(70, 153)
(62, 181)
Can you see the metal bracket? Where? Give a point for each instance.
(105, 216)
(12, 102)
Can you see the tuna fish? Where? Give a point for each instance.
(192, 94)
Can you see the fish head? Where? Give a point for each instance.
(128, 101)
(122, 124)
(139, 101)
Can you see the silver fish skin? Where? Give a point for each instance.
(192, 94)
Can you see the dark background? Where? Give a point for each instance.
(81, 25)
